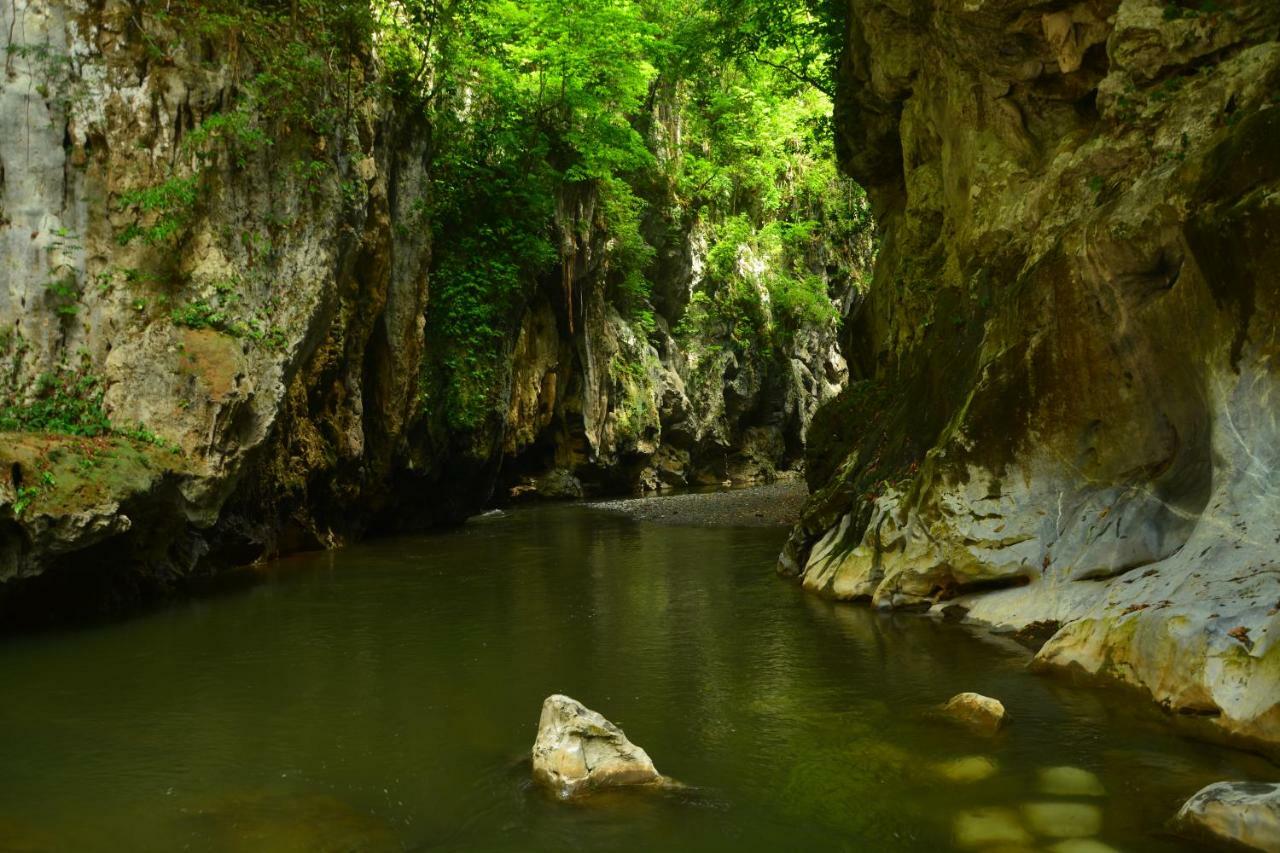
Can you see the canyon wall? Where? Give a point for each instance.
(1062, 422)
(215, 303)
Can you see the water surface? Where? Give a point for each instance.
(385, 698)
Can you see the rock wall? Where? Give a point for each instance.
(1063, 419)
(259, 342)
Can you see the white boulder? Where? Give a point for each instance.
(579, 751)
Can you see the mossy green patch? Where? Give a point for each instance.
(58, 475)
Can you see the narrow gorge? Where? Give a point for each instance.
(255, 303)
(966, 308)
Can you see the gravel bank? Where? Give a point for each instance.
(774, 505)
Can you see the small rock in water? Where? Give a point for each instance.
(578, 751)
(987, 828)
(1070, 782)
(978, 712)
(1063, 820)
(970, 768)
(1243, 813)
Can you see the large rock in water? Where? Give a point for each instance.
(1066, 424)
(975, 711)
(1241, 813)
(579, 751)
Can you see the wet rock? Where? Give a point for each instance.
(1063, 820)
(578, 751)
(970, 768)
(1241, 813)
(1069, 782)
(989, 828)
(559, 484)
(977, 712)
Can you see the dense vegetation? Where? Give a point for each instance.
(671, 116)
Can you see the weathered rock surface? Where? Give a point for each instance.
(1062, 419)
(579, 751)
(1240, 813)
(975, 711)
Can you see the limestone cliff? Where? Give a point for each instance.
(1063, 419)
(256, 340)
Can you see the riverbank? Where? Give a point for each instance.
(777, 504)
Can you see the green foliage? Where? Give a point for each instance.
(799, 39)
(26, 495)
(64, 290)
(65, 402)
(305, 56)
(531, 105)
(166, 208)
(237, 131)
(637, 406)
(305, 60)
(541, 109)
(1174, 11)
(224, 311)
(628, 254)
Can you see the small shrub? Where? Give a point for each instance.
(168, 207)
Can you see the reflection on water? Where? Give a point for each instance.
(386, 697)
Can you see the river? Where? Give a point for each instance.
(385, 697)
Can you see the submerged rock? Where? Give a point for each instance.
(988, 828)
(1069, 782)
(1242, 813)
(1063, 820)
(1082, 845)
(970, 768)
(578, 751)
(977, 712)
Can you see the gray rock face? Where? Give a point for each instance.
(270, 405)
(1241, 813)
(579, 751)
(1065, 421)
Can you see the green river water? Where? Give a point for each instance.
(386, 697)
